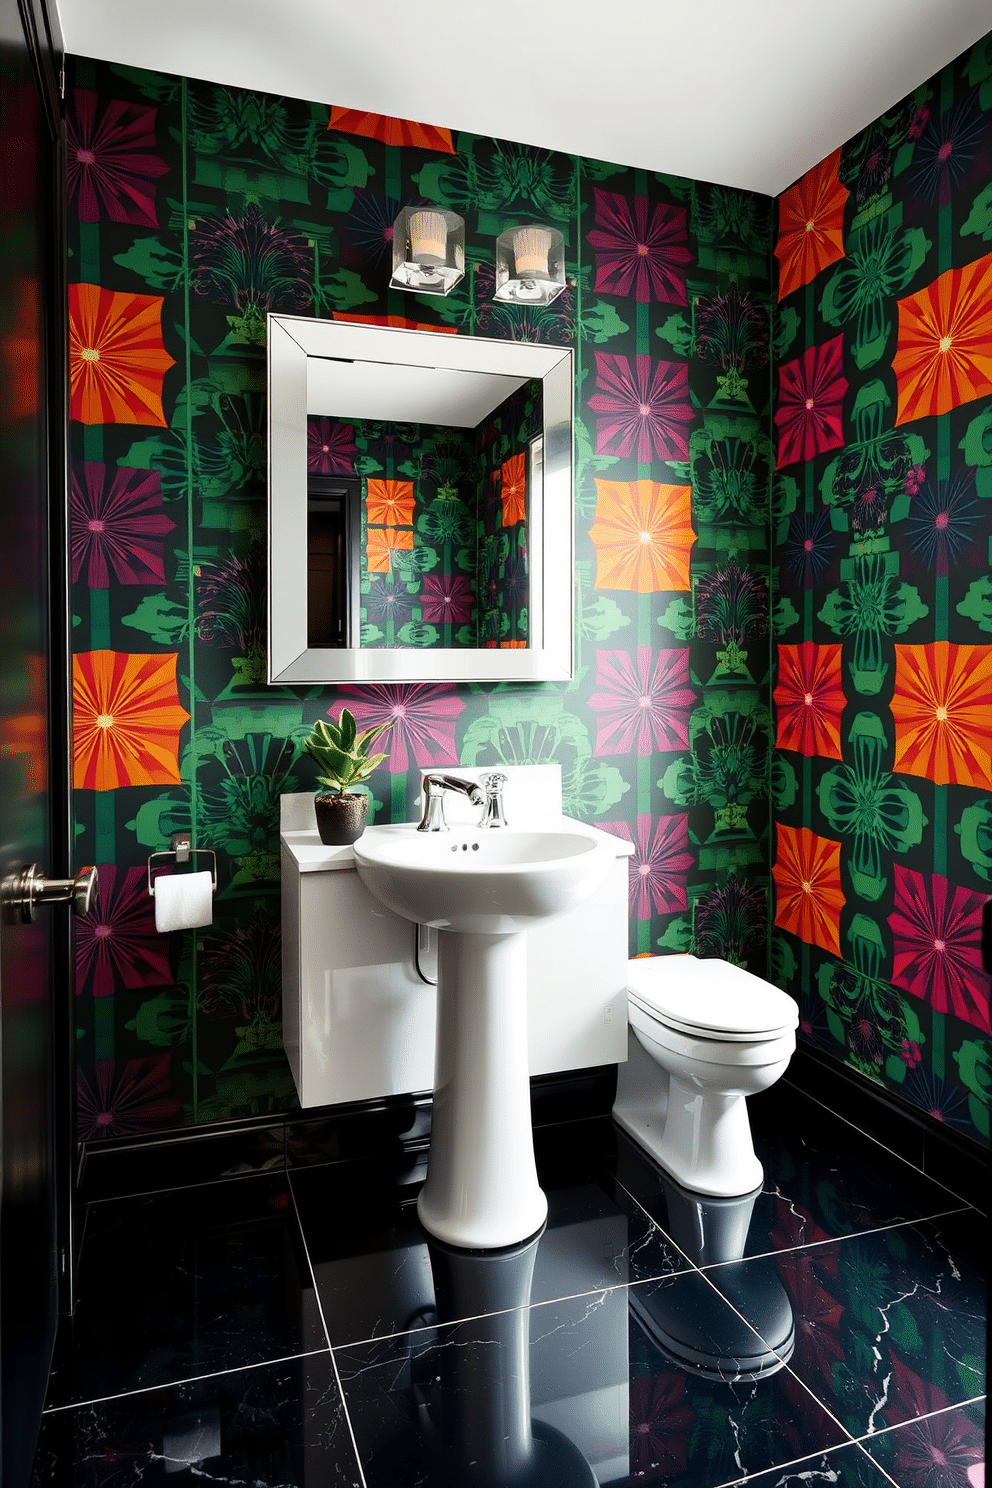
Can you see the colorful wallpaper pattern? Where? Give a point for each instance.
(882, 504)
(197, 209)
(200, 208)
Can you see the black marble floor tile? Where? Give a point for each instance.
(844, 1467)
(373, 1263)
(888, 1325)
(276, 1426)
(812, 1191)
(186, 1283)
(938, 1451)
(577, 1392)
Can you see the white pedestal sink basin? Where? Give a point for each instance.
(482, 890)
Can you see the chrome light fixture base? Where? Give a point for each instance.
(530, 265)
(428, 250)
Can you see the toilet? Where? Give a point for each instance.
(707, 1035)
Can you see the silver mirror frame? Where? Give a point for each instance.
(292, 341)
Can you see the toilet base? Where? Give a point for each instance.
(703, 1141)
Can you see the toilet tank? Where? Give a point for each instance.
(358, 1021)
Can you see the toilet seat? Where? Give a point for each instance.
(710, 999)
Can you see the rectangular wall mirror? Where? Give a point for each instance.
(420, 506)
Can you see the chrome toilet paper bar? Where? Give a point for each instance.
(182, 851)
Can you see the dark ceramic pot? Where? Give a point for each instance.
(340, 818)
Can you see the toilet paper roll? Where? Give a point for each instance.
(183, 901)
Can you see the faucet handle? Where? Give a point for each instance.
(493, 814)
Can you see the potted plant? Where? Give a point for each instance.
(341, 754)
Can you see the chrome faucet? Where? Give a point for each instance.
(491, 801)
(492, 813)
(435, 787)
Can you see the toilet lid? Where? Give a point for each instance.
(707, 997)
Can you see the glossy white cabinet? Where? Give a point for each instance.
(359, 1023)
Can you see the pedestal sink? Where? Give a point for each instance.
(482, 890)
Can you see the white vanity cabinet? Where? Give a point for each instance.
(358, 1021)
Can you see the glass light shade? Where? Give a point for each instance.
(530, 265)
(428, 250)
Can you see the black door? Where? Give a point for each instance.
(35, 1108)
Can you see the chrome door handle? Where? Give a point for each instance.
(22, 892)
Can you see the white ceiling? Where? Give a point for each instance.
(747, 93)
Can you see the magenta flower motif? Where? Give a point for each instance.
(644, 704)
(937, 945)
(660, 1421)
(118, 1104)
(641, 247)
(446, 599)
(331, 448)
(117, 944)
(118, 522)
(423, 718)
(659, 866)
(645, 407)
(811, 392)
(111, 160)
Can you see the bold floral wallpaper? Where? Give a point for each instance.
(199, 208)
(196, 210)
(882, 505)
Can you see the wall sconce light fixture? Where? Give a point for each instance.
(530, 265)
(428, 250)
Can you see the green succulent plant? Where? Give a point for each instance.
(341, 753)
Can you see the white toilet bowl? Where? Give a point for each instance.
(706, 1035)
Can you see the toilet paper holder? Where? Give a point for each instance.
(181, 852)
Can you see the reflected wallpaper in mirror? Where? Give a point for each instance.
(417, 533)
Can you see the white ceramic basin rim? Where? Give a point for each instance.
(485, 882)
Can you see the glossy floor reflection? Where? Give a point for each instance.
(296, 1328)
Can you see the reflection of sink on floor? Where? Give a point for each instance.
(482, 891)
(476, 1412)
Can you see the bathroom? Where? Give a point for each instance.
(824, 545)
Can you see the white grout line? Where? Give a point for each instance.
(191, 1379)
(896, 1224)
(799, 1381)
(327, 1336)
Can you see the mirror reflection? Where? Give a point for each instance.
(417, 532)
(420, 497)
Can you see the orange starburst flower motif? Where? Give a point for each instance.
(117, 359)
(126, 720)
(27, 731)
(643, 534)
(809, 896)
(19, 354)
(390, 131)
(942, 713)
(389, 503)
(381, 541)
(809, 700)
(810, 225)
(944, 352)
(513, 491)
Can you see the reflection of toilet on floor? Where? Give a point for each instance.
(707, 1337)
(707, 1034)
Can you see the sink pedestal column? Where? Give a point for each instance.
(481, 1190)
